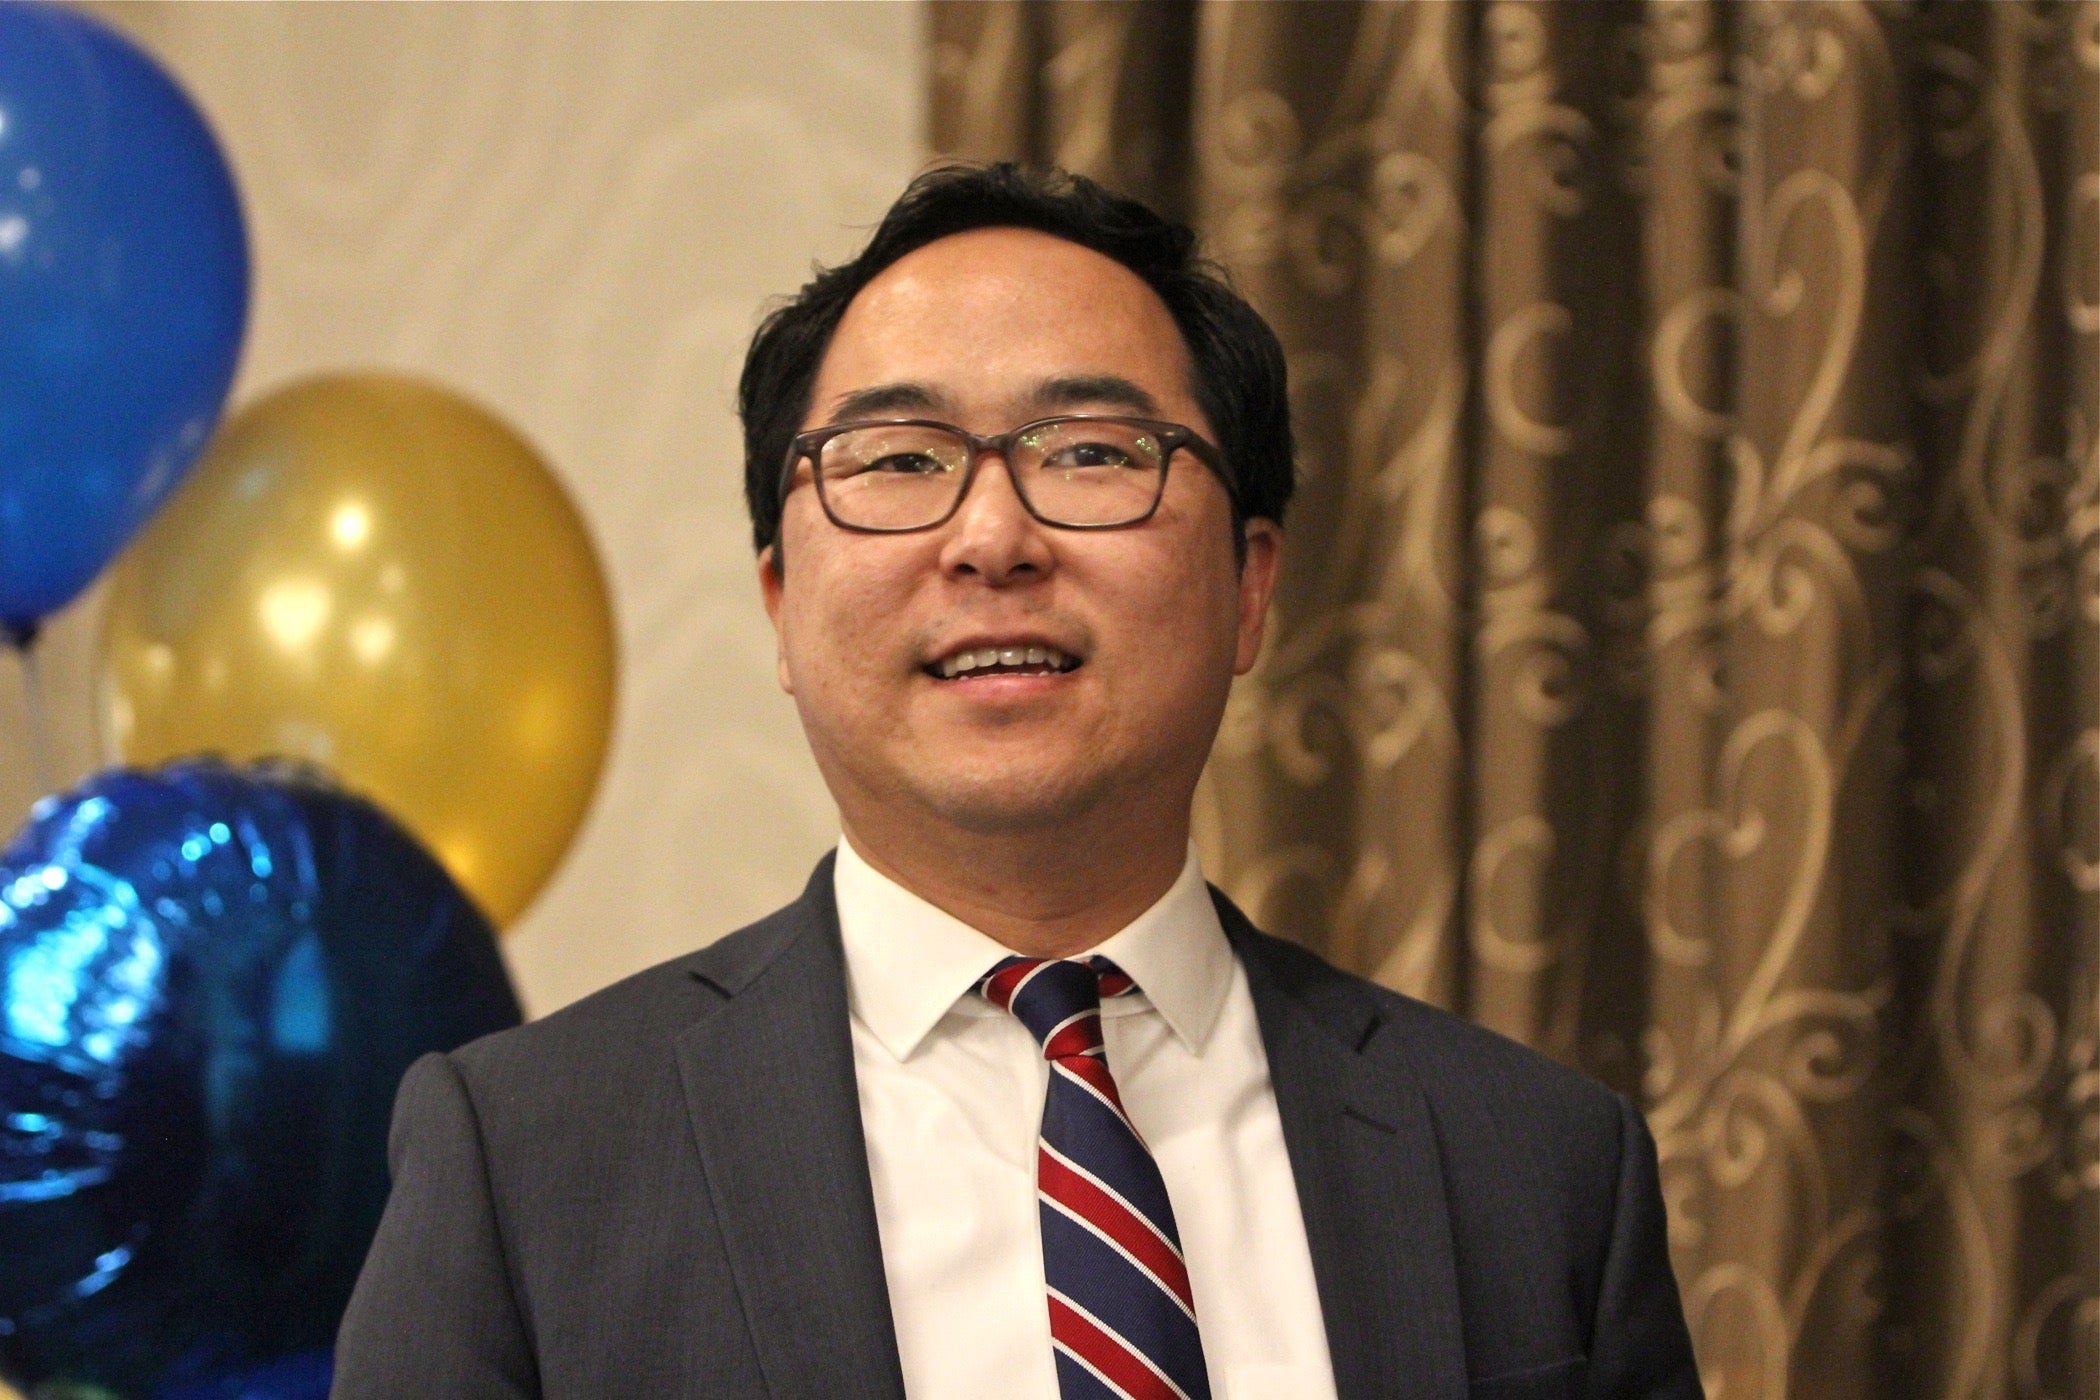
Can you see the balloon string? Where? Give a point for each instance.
(33, 708)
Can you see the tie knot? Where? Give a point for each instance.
(1058, 999)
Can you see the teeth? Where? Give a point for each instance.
(981, 658)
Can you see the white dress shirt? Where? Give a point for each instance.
(951, 1097)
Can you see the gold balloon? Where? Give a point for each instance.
(370, 573)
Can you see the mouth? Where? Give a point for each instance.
(1002, 659)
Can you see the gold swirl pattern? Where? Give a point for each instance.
(1689, 657)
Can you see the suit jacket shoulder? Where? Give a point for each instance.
(1480, 1215)
(1489, 1093)
(565, 1061)
(648, 1192)
(1446, 1039)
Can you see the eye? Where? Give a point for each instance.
(1080, 455)
(886, 456)
(906, 464)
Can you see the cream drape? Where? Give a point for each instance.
(1688, 660)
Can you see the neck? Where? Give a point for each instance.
(1049, 894)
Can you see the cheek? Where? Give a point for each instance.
(842, 607)
(1182, 626)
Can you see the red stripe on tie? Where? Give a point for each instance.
(1115, 984)
(1078, 1036)
(1117, 1220)
(999, 988)
(1119, 1363)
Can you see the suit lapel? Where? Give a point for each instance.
(1363, 1148)
(769, 1086)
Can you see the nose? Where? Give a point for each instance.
(991, 535)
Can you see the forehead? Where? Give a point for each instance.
(979, 317)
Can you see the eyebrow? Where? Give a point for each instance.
(879, 399)
(1056, 394)
(1079, 390)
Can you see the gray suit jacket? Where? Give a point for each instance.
(662, 1191)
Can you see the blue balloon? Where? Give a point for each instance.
(123, 295)
(211, 982)
(304, 1375)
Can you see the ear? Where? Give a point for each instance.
(1257, 586)
(771, 585)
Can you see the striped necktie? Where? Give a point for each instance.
(1122, 1318)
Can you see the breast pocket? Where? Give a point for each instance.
(1560, 1381)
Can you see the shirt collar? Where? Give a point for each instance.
(908, 962)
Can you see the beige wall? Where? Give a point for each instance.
(572, 212)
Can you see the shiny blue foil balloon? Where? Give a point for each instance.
(211, 982)
(123, 295)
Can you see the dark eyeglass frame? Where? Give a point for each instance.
(1172, 437)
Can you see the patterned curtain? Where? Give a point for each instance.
(1688, 661)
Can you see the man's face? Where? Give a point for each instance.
(988, 330)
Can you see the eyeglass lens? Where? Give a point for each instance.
(896, 476)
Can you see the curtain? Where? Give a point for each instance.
(1688, 655)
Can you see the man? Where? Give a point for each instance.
(1008, 1103)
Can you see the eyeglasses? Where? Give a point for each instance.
(1077, 472)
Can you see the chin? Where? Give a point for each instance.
(1010, 803)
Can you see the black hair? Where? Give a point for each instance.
(1234, 357)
